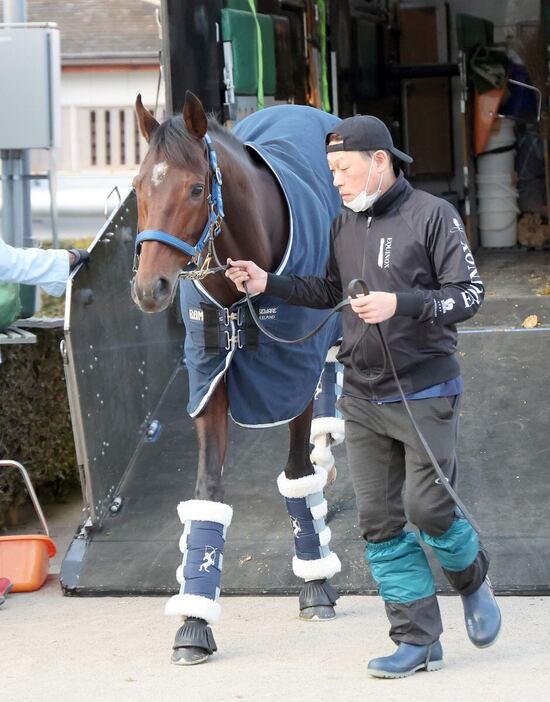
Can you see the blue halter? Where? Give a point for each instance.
(212, 228)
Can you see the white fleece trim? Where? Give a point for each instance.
(322, 456)
(324, 537)
(179, 574)
(193, 606)
(319, 511)
(302, 487)
(328, 425)
(205, 511)
(332, 353)
(315, 570)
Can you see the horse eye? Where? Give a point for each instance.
(197, 190)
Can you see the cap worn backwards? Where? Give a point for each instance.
(364, 133)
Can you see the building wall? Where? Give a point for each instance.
(99, 130)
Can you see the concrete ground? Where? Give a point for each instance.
(59, 649)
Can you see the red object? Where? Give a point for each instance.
(485, 112)
(5, 587)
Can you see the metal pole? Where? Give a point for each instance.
(21, 217)
(7, 198)
(15, 11)
(17, 190)
(52, 183)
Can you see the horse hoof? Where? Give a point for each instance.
(194, 643)
(331, 477)
(317, 600)
(319, 613)
(190, 655)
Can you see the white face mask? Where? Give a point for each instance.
(364, 200)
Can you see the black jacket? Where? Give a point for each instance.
(413, 244)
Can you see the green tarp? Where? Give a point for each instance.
(239, 27)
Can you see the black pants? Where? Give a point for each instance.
(394, 481)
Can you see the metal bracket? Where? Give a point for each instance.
(106, 206)
(30, 488)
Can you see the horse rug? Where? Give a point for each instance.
(270, 383)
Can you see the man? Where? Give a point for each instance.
(47, 268)
(411, 250)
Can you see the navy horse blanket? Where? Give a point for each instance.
(270, 383)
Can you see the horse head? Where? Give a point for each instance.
(173, 196)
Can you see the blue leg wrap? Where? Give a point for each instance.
(202, 542)
(328, 391)
(327, 421)
(202, 547)
(400, 568)
(311, 536)
(457, 548)
(307, 509)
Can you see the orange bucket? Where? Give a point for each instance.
(25, 558)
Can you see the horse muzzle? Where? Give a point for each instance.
(155, 296)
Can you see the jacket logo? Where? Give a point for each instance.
(457, 226)
(448, 304)
(384, 252)
(472, 295)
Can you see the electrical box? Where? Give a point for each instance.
(29, 87)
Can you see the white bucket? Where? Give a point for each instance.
(495, 187)
(497, 210)
(498, 238)
(497, 222)
(494, 217)
(495, 164)
(502, 134)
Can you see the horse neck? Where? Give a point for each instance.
(255, 226)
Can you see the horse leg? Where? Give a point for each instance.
(205, 520)
(302, 484)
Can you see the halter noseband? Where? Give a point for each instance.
(212, 228)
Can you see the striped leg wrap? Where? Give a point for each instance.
(307, 509)
(327, 421)
(204, 530)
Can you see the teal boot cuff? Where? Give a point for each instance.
(457, 548)
(400, 568)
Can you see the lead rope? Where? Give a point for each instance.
(353, 288)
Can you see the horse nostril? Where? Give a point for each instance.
(162, 289)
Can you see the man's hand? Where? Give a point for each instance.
(247, 272)
(374, 307)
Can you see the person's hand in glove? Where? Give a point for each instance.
(77, 256)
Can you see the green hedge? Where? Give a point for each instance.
(35, 426)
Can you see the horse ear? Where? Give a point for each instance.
(194, 116)
(147, 123)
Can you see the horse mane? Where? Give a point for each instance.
(178, 148)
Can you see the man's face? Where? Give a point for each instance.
(350, 170)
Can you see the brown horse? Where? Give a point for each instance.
(174, 188)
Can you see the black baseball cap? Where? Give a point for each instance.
(364, 133)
